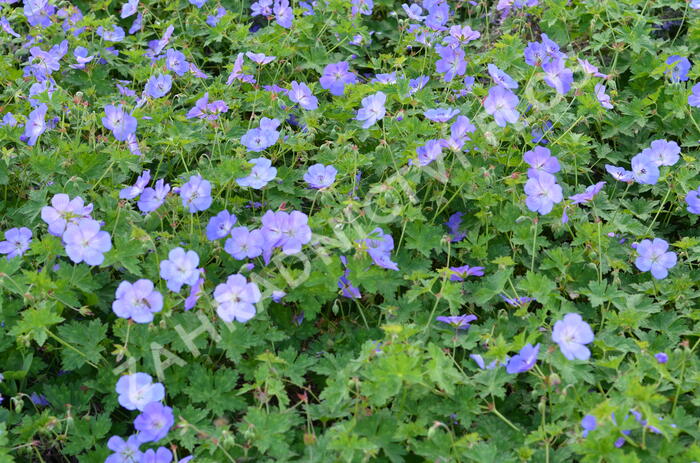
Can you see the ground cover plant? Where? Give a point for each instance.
(349, 231)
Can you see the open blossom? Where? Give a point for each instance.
(451, 63)
(301, 94)
(36, 125)
(460, 322)
(129, 8)
(220, 225)
(196, 291)
(154, 422)
(85, 242)
(588, 423)
(644, 169)
(662, 152)
(289, 231)
(458, 134)
(543, 193)
(501, 78)
(180, 268)
(587, 195)
(162, 454)
(260, 175)
(619, 173)
(152, 198)
(262, 137)
(524, 360)
(196, 194)
(558, 76)
(16, 242)
(501, 103)
(159, 85)
(589, 68)
(372, 109)
(572, 334)
(460, 273)
(336, 76)
(125, 451)
(137, 188)
(655, 256)
(694, 97)
(540, 159)
(81, 57)
(428, 153)
(119, 122)
(137, 301)
(138, 390)
(379, 246)
(320, 176)
(116, 34)
(244, 244)
(204, 110)
(236, 299)
(63, 211)
(678, 68)
(441, 114)
(260, 58)
(693, 201)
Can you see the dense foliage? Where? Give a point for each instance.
(349, 231)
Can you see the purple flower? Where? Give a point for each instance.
(85, 242)
(557, 76)
(115, 35)
(159, 85)
(180, 269)
(213, 20)
(540, 159)
(379, 247)
(460, 35)
(284, 15)
(372, 109)
(154, 422)
(602, 97)
(587, 195)
(347, 288)
(134, 191)
(645, 169)
(694, 97)
(287, 231)
(301, 93)
(501, 103)
(620, 173)
(35, 125)
(8, 120)
(152, 198)
(524, 360)
(119, 122)
(678, 68)
(81, 57)
(262, 137)
(138, 390)
(320, 176)
(16, 242)
(460, 273)
(362, 6)
(441, 114)
(220, 225)
(693, 200)
(572, 334)
(205, 110)
(129, 8)
(535, 54)
(198, 3)
(236, 298)
(517, 301)
(501, 78)
(162, 454)
(542, 192)
(454, 223)
(260, 58)
(196, 194)
(654, 256)
(416, 84)
(62, 211)
(175, 61)
(336, 76)
(124, 451)
(7, 27)
(661, 357)
(244, 244)
(588, 423)
(136, 25)
(438, 14)
(451, 62)
(260, 175)
(479, 360)
(196, 292)
(137, 301)
(662, 152)
(458, 134)
(386, 78)
(428, 153)
(459, 322)
(588, 68)
(414, 12)
(237, 72)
